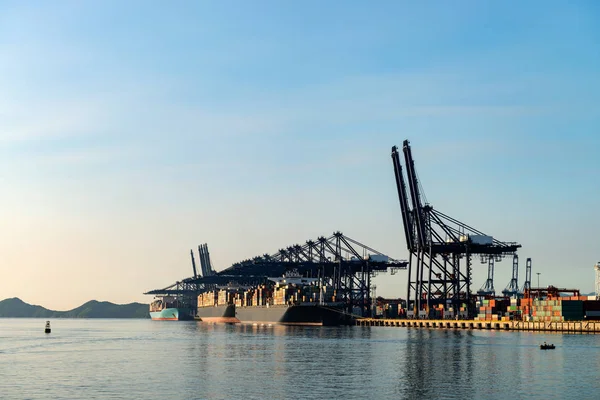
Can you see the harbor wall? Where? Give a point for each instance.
(566, 327)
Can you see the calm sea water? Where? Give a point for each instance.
(140, 359)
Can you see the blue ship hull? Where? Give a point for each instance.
(172, 314)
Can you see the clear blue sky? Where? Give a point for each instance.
(131, 132)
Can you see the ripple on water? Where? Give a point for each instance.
(140, 359)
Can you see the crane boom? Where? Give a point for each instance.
(403, 197)
(209, 268)
(202, 260)
(193, 263)
(415, 195)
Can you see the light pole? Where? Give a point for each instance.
(538, 274)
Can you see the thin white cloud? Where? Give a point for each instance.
(87, 156)
(46, 120)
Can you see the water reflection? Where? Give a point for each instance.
(438, 364)
(348, 362)
(148, 360)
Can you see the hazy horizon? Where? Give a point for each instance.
(132, 132)
(72, 308)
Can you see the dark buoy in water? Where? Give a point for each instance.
(47, 330)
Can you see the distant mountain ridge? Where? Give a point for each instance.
(17, 308)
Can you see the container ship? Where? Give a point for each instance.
(289, 300)
(168, 308)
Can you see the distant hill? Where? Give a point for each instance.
(17, 308)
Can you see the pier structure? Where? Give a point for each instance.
(566, 326)
(441, 248)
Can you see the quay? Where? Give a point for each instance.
(566, 327)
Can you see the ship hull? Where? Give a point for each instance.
(172, 314)
(217, 314)
(285, 315)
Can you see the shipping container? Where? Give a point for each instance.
(477, 239)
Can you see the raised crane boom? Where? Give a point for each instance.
(202, 258)
(209, 267)
(403, 197)
(415, 194)
(205, 264)
(193, 263)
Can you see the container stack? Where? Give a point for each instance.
(525, 307)
(207, 299)
(513, 311)
(287, 294)
(492, 310)
(248, 298)
(450, 313)
(262, 296)
(487, 310)
(279, 296)
(256, 297)
(546, 311)
(223, 297)
(557, 310)
(238, 299)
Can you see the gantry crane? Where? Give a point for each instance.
(440, 247)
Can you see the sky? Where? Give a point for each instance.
(131, 132)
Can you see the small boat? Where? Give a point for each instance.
(547, 346)
(47, 330)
